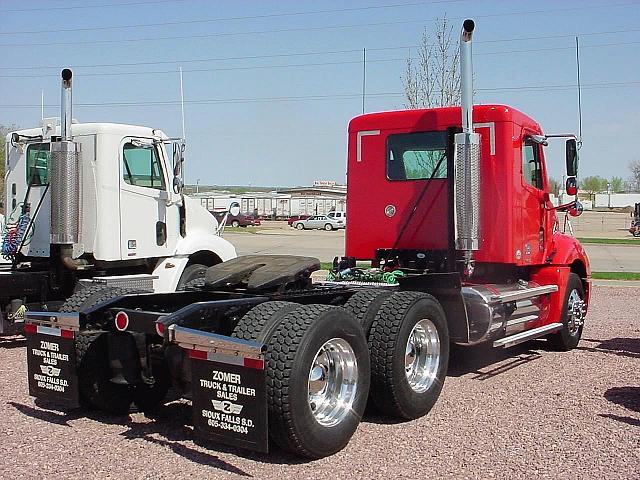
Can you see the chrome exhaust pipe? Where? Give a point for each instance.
(467, 159)
(66, 106)
(65, 179)
(466, 72)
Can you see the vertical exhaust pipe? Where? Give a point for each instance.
(467, 159)
(66, 106)
(65, 180)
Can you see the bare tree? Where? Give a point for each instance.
(435, 80)
(4, 130)
(634, 166)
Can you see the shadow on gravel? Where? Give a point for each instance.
(476, 359)
(54, 414)
(623, 347)
(627, 397)
(13, 342)
(173, 424)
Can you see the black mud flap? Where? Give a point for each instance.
(51, 362)
(228, 388)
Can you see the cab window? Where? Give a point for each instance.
(531, 164)
(38, 155)
(417, 156)
(141, 167)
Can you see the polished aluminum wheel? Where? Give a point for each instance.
(422, 356)
(333, 381)
(576, 310)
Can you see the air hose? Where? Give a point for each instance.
(372, 275)
(13, 236)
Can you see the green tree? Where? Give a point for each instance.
(593, 184)
(616, 184)
(554, 185)
(634, 166)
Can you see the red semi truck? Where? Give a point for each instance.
(465, 248)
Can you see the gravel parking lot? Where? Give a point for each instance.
(519, 413)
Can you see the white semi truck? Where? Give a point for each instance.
(97, 203)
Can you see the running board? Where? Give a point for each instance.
(527, 335)
(524, 293)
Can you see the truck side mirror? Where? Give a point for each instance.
(177, 185)
(576, 210)
(234, 209)
(178, 158)
(571, 150)
(571, 186)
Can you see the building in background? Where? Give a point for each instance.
(321, 198)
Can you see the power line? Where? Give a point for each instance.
(304, 29)
(225, 19)
(297, 65)
(199, 70)
(74, 7)
(545, 88)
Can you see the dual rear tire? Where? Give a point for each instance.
(317, 372)
(323, 362)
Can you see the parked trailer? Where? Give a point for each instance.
(467, 248)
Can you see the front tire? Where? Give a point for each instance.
(409, 347)
(317, 380)
(328, 227)
(191, 273)
(235, 224)
(573, 313)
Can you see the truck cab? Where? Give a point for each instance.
(98, 202)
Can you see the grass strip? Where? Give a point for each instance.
(616, 275)
(611, 241)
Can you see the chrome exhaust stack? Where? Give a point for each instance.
(467, 159)
(66, 180)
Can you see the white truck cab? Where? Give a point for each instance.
(129, 210)
(98, 203)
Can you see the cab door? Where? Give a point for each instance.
(147, 222)
(533, 204)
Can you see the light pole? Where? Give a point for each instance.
(198, 186)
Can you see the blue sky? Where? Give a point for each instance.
(282, 120)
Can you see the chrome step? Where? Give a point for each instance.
(521, 320)
(522, 294)
(527, 335)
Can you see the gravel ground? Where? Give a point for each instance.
(519, 413)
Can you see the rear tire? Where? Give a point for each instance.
(300, 226)
(92, 350)
(235, 224)
(365, 305)
(304, 417)
(94, 375)
(572, 321)
(262, 320)
(409, 347)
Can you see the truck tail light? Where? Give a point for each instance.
(122, 321)
(160, 328)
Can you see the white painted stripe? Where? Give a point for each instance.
(492, 134)
(359, 141)
(223, 358)
(49, 331)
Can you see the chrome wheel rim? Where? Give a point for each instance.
(576, 310)
(422, 356)
(333, 379)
